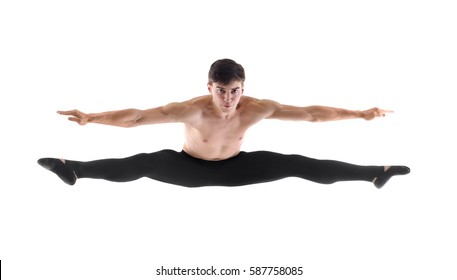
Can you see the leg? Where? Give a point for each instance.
(117, 170)
(262, 166)
(166, 166)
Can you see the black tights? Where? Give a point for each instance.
(179, 168)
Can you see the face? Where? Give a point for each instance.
(226, 97)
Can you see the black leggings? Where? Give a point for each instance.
(179, 168)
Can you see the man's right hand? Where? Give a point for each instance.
(76, 116)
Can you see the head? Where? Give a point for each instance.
(226, 84)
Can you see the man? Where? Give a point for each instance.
(214, 129)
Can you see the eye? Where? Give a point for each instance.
(235, 91)
(220, 90)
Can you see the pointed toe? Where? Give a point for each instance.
(56, 166)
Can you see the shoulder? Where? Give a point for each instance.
(259, 108)
(186, 108)
(193, 103)
(260, 105)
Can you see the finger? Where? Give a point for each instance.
(73, 119)
(385, 112)
(382, 113)
(71, 112)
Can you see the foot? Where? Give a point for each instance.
(59, 167)
(390, 171)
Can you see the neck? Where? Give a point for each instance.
(226, 115)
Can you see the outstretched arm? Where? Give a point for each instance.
(322, 113)
(173, 112)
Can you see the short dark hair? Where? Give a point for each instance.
(225, 71)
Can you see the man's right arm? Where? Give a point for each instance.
(173, 112)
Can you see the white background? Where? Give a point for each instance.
(105, 55)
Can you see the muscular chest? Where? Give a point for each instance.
(216, 132)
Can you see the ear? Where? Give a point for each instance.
(210, 86)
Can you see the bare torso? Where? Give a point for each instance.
(210, 136)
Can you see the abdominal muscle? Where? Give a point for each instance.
(213, 146)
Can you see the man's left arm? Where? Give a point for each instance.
(323, 113)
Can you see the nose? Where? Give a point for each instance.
(227, 98)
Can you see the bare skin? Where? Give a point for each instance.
(215, 124)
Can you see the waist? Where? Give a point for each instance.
(199, 156)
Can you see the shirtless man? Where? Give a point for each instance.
(215, 125)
